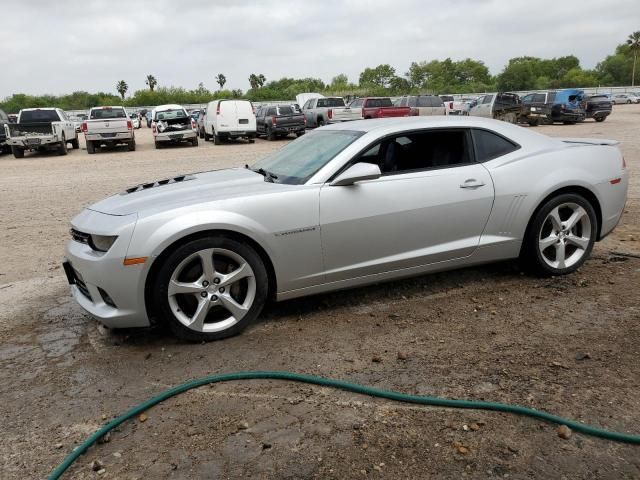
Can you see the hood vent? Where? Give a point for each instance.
(167, 181)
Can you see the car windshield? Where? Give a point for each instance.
(107, 113)
(299, 160)
(39, 116)
(330, 102)
(171, 114)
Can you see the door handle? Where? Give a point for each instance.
(472, 183)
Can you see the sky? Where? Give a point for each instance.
(60, 47)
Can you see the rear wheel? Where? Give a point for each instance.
(599, 119)
(157, 144)
(534, 123)
(216, 139)
(75, 144)
(321, 122)
(194, 141)
(211, 288)
(17, 151)
(560, 236)
(62, 146)
(132, 145)
(91, 148)
(300, 133)
(270, 135)
(207, 137)
(201, 133)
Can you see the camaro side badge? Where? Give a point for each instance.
(297, 230)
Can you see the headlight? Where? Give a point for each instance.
(102, 243)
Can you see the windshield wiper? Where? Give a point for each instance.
(268, 176)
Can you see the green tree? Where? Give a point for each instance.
(221, 80)
(122, 88)
(253, 81)
(261, 80)
(340, 81)
(236, 93)
(151, 81)
(379, 76)
(633, 41)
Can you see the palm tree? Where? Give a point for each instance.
(261, 80)
(254, 81)
(221, 80)
(634, 45)
(122, 88)
(152, 82)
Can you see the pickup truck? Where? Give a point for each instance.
(4, 120)
(500, 106)
(537, 107)
(279, 121)
(453, 106)
(41, 129)
(172, 124)
(379, 107)
(108, 126)
(324, 110)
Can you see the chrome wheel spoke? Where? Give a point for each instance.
(243, 271)
(560, 255)
(206, 260)
(579, 242)
(234, 308)
(176, 287)
(547, 242)
(575, 217)
(197, 321)
(556, 222)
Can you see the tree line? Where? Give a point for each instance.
(435, 76)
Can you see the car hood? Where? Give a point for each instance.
(187, 190)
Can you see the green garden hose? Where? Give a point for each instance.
(340, 384)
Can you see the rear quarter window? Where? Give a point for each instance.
(490, 145)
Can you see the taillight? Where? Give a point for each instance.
(129, 124)
(273, 121)
(193, 124)
(84, 127)
(450, 105)
(330, 113)
(415, 112)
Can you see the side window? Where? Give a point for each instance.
(271, 111)
(357, 102)
(490, 145)
(487, 99)
(403, 102)
(307, 105)
(527, 98)
(538, 98)
(439, 148)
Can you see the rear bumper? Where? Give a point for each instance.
(238, 134)
(598, 113)
(33, 142)
(119, 136)
(289, 129)
(177, 136)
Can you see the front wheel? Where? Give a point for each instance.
(194, 141)
(599, 119)
(75, 144)
(211, 288)
(62, 147)
(560, 236)
(17, 151)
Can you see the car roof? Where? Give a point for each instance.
(170, 106)
(38, 108)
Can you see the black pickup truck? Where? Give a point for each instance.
(598, 107)
(274, 121)
(538, 105)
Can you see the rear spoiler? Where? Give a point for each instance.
(589, 141)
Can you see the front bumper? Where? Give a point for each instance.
(103, 286)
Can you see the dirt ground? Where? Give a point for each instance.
(565, 345)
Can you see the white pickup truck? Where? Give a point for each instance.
(321, 111)
(41, 129)
(172, 124)
(108, 126)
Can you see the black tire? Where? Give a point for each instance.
(320, 122)
(530, 255)
(62, 146)
(252, 140)
(201, 133)
(207, 137)
(300, 133)
(270, 135)
(534, 123)
(91, 147)
(172, 262)
(75, 144)
(194, 141)
(600, 119)
(17, 151)
(132, 145)
(628, 102)
(569, 123)
(216, 139)
(157, 144)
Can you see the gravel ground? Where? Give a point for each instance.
(566, 345)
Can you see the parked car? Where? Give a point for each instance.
(149, 118)
(135, 120)
(229, 120)
(320, 111)
(568, 106)
(379, 107)
(503, 106)
(598, 107)
(537, 108)
(621, 98)
(422, 105)
(4, 120)
(279, 121)
(365, 202)
(452, 106)
(200, 123)
(41, 129)
(172, 124)
(108, 126)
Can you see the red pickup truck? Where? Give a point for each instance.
(379, 107)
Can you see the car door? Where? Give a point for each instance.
(68, 127)
(430, 205)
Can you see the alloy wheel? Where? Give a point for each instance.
(565, 236)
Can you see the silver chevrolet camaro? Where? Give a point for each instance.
(345, 205)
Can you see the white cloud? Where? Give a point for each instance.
(59, 47)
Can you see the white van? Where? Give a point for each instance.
(228, 119)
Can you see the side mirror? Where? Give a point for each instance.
(357, 173)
